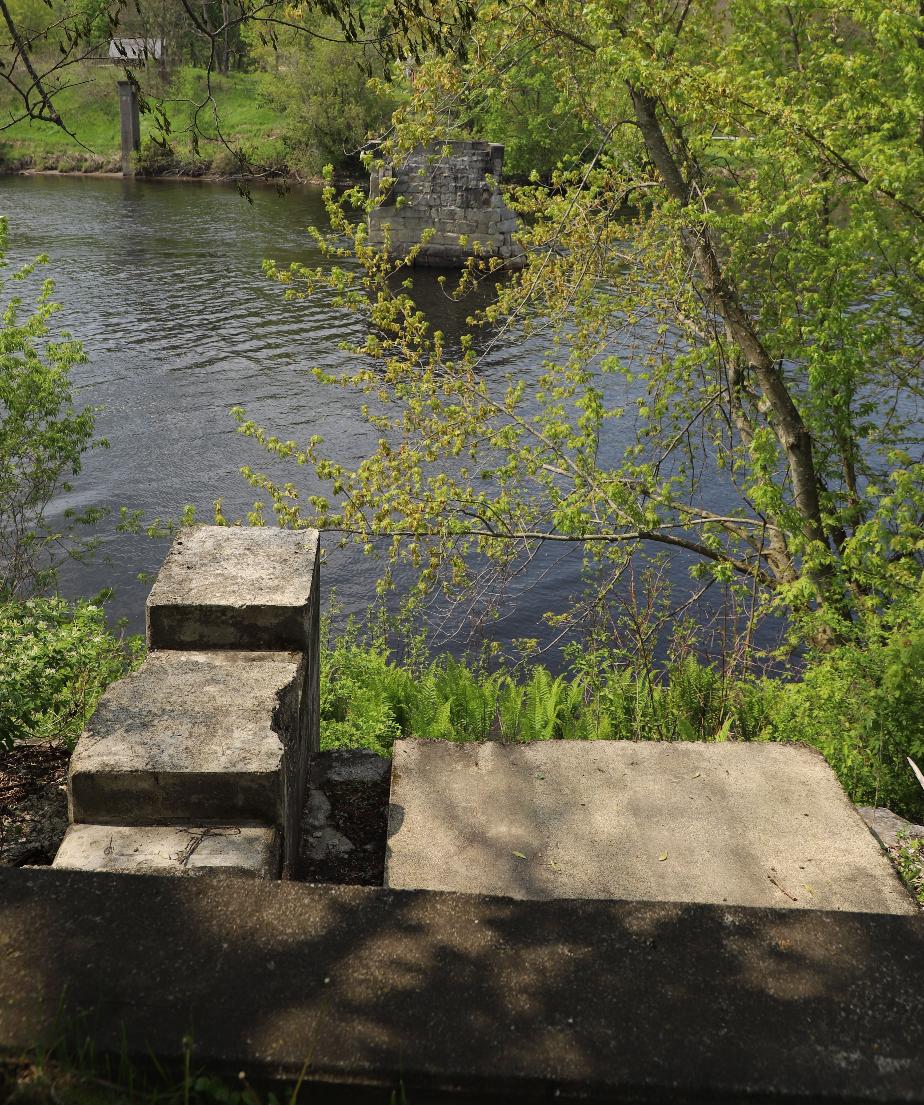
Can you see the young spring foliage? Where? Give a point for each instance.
(43, 435)
(728, 285)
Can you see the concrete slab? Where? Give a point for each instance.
(194, 738)
(237, 588)
(247, 852)
(743, 824)
(423, 997)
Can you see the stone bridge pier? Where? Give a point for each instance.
(442, 205)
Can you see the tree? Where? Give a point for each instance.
(327, 101)
(39, 53)
(743, 249)
(43, 437)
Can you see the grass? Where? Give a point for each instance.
(248, 120)
(91, 110)
(82, 1077)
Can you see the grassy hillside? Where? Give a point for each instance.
(91, 110)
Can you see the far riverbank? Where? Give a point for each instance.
(242, 134)
(91, 165)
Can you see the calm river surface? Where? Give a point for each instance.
(162, 283)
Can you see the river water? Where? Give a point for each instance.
(162, 282)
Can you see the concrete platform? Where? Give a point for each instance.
(423, 997)
(247, 852)
(738, 824)
(194, 738)
(237, 588)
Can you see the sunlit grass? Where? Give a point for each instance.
(90, 109)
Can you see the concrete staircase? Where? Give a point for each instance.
(197, 762)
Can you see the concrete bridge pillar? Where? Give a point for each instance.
(130, 125)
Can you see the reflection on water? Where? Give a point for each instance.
(162, 282)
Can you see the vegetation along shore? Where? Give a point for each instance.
(719, 244)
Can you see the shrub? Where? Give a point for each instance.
(367, 700)
(909, 858)
(862, 706)
(56, 659)
(360, 694)
(329, 110)
(43, 436)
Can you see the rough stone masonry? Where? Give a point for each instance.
(444, 198)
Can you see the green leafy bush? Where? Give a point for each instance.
(56, 659)
(43, 436)
(368, 700)
(862, 706)
(909, 858)
(327, 109)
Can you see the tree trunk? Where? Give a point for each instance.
(787, 422)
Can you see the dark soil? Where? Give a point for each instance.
(343, 829)
(33, 803)
(346, 819)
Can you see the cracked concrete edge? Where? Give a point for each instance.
(243, 851)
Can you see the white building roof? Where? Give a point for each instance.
(136, 49)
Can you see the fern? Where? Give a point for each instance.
(510, 709)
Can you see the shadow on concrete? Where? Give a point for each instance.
(472, 997)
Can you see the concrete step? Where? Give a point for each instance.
(196, 738)
(757, 824)
(245, 851)
(225, 587)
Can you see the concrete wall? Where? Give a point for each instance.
(456, 196)
(426, 996)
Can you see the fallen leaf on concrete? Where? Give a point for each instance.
(519, 855)
(662, 857)
(696, 775)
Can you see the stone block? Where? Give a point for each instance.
(244, 851)
(197, 738)
(453, 189)
(888, 828)
(739, 824)
(237, 588)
